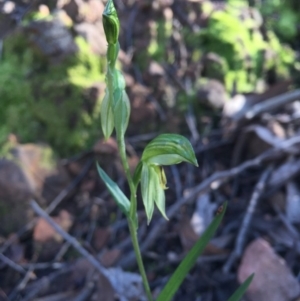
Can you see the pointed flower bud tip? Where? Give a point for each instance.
(111, 23)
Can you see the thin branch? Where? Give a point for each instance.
(70, 187)
(177, 182)
(240, 241)
(272, 103)
(39, 211)
(12, 264)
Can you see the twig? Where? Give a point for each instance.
(28, 276)
(130, 25)
(3, 296)
(240, 241)
(70, 187)
(272, 103)
(68, 295)
(38, 210)
(190, 116)
(177, 182)
(12, 264)
(142, 137)
(44, 265)
(43, 283)
(86, 292)
(286, 223)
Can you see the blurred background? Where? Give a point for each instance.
(225, 74)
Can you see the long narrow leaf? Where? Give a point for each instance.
(115, 191)
(188, 262)
(238, 294)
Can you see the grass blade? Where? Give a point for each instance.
(238, 294)
(188, 262)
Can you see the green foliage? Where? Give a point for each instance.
(238, 294)
(240, 46)
(115, 191)
(111, 23)
(234, 34)
(282, 17)
(41, 101)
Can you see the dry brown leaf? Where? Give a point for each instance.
(110, 257)
(83, 270)
(101, 237)
(44, 232)
(187, 235)
(108, 147)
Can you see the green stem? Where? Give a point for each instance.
(132, 219)
(136, 247)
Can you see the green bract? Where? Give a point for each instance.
(111, 23)
(122, 113)
(115, 191)
(166, 149)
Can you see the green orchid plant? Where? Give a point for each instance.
(166, 149)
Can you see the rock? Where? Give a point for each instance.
(28, 173)
(273, 280)
(82, 11)
(91, 11)
(212, 93)
(15, 193)
(47, 242)
(52, 38)
(71, 7)
(34, 162)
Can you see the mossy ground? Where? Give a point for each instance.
(43, 102)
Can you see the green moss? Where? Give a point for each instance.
(45, 102)
(241, 46)
(282, 17)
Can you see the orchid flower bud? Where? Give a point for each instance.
(111, 23)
